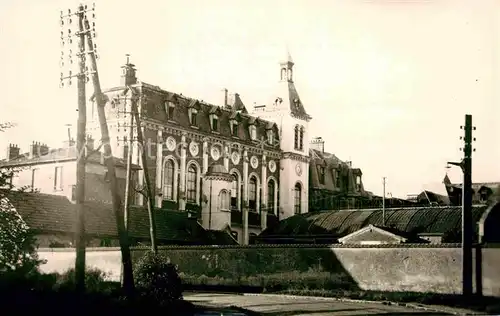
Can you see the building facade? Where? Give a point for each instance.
(259, 160)
(53, 171)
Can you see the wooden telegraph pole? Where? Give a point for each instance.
(146, 191)
(67, 40)
(467, 228)
(128, 280)
(467, 223)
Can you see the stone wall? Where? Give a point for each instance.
(415, 268)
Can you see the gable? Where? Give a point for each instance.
(372, 234)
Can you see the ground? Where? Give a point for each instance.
(274, 305)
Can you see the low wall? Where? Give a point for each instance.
(415, 268)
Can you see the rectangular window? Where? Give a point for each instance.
(235, 129)
(270, 137)
(253, 132)
(321, 174)
(215, 123)
(193, 118)
(58, 185)
(170, 107)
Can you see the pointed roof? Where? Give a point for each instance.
(289, 92)
(287, 58)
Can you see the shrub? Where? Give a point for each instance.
(157, 278)
(94, 280)
(18, 254)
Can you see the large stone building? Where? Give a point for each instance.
(233, 169)
(239, 169)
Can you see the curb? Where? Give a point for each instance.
(409, 305)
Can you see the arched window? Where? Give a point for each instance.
(191, 184)
(301, 138)
(252, 194)
(223, 200)
(234, 192)
(298, 198)
(271, 197)
(296, 138)
(168, 180)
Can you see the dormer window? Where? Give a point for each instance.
(358, 183)
(253, 132)
(270, 137)
(169, 109)
(214, 122)
(193, 113)
(321, 174)
(234, 128)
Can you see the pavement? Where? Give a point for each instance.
(284, 305)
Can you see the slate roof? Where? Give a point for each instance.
(154, 110)
(331, 162)
(58, 155)
(421, 220)
(56, 214)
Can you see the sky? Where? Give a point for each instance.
(387, 83)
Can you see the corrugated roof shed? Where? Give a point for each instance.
(430, 220)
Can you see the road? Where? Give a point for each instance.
(274, 305)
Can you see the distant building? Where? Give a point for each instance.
(482, 192)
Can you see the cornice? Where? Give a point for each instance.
(297, 157)
(219, 177)
(201, 137)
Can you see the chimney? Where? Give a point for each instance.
(44, 149)
(224, 98)
(318, 143)
(128, 73)
(231, 97)
(34, 150)
(12, 152)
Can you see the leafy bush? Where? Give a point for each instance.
(18, 253)
(157, 278)
(94, 280)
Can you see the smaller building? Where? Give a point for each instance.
(53, 171)
(482, 192)
(377, 235)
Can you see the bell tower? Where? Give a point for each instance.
(288, 112)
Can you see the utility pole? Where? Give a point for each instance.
(128, 277)
(467, 223)
(129, 172)
(67, 38)
(149, 194)
(467, 228)
(383, 202)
